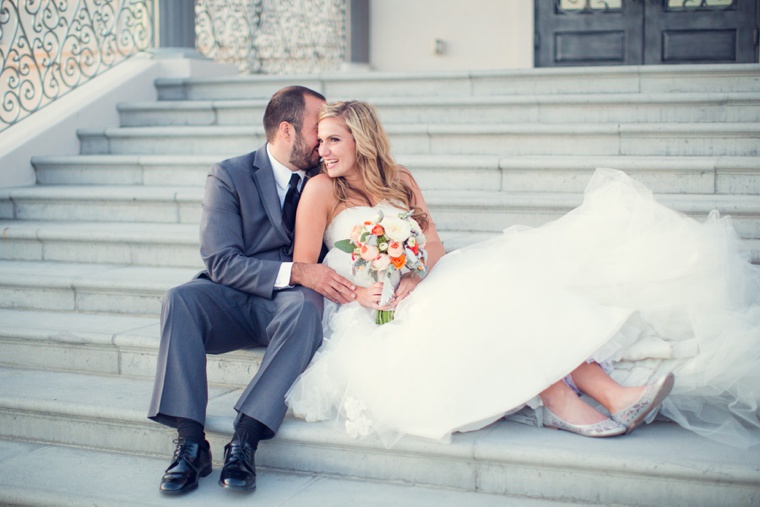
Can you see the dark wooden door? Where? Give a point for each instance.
(635, 32)
(723, 31)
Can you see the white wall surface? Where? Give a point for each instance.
(477, 34)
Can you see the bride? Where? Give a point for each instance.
(615, 300)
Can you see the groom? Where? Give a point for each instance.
(250, 294)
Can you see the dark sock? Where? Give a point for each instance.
(191, 431)
(251, 430)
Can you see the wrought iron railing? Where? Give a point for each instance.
(286, 36)
(50, 47)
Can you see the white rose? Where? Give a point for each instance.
(396, 229)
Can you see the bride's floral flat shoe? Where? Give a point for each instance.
(650, 399)
(606, 428)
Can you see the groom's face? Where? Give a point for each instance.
(304, 154)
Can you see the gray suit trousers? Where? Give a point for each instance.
(202, 317)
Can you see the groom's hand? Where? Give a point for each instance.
(323, 280)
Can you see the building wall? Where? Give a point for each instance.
(476, 34)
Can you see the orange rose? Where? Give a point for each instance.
(378, 230)
(399, 262)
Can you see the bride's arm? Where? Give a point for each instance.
(434, 244)
(311, 221)
(312, 218)
(314, 215)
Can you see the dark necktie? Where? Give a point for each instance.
(291, 201)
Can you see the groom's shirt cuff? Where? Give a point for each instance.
(283, 276)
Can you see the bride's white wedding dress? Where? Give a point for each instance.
(620, 280)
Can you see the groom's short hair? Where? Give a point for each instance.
(287, 105)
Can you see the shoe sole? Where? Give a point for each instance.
(606, 435)
(663, 393)
(179, 491)
(576, 430)
(237, 488)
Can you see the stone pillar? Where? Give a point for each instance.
(176, 24)
(357, 31)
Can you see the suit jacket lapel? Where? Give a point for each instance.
(267, 187)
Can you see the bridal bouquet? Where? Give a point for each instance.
(383, 245)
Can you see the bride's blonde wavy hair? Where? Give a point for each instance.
(379, 172)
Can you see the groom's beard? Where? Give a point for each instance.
(302, 156)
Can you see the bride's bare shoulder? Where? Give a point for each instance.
(317, 196)
(320, 182)
(318, 187)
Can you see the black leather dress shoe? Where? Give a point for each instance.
(190, 462)
(239, 470)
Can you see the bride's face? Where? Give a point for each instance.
(337, 149)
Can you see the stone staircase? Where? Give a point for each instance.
(87, 253)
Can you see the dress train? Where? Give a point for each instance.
(620, 280)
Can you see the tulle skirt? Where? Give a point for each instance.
(620, 280)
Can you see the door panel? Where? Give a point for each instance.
(707, 31)
(689, 46)
(634, 32)
(588, 32)
(603, 47)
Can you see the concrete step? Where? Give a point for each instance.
(664, 139)
(661, 464)
(86, 257)
(148, 170)
(92, 203)
(662, 175)
(76, 477)
(701, 175)
(142, 244)
(87, 288)
(228, 140)
(452, 210)
(570, 80)
(565, 108)
(127, 243)
(106, 344)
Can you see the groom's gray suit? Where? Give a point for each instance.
(233, 303)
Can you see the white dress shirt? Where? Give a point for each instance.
(282, 177)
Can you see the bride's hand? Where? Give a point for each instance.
(405, 287)
(369, 297)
